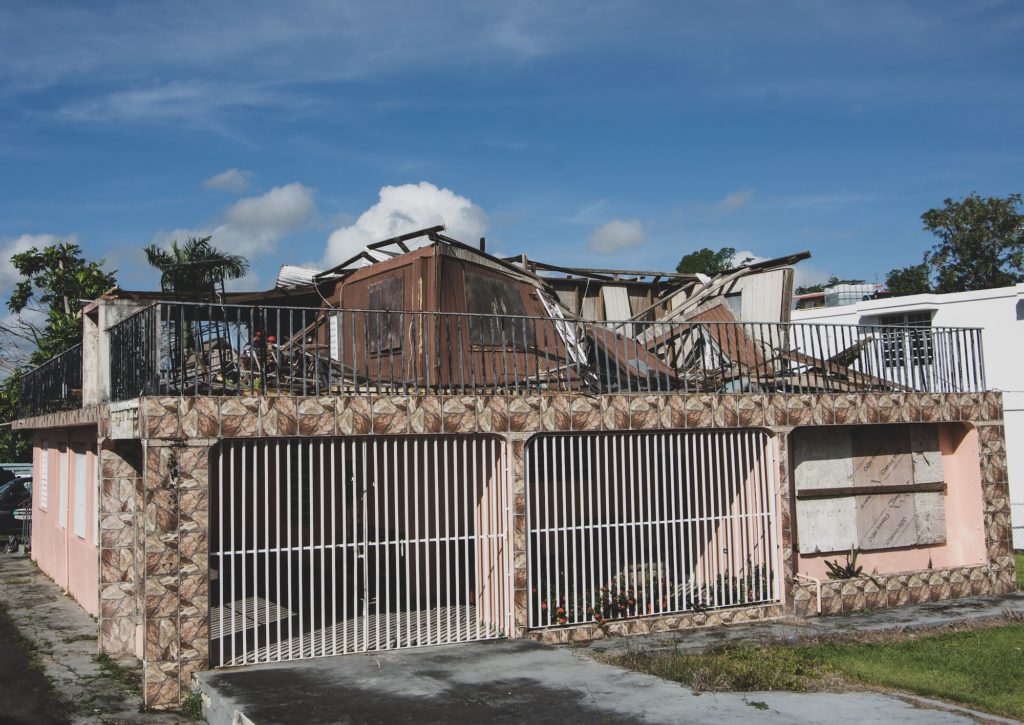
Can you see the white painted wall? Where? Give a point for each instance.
(1000, 314)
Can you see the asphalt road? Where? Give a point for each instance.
(25, 693)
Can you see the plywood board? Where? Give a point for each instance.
(824, 458)
(926, 455)
(616, 306)
(826, 524)
(881, 456)
(931, 517)
(886, 521)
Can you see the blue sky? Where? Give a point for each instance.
(607, 134)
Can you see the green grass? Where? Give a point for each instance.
(1019, 560)
(981, 668)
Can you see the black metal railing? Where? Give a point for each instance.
(54, 385)
(214, 349)
(134, 347)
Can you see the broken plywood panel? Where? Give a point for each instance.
(886, 521)
(930, 507)
(926, 455)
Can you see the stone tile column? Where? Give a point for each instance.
(120, 544)
(176, 591)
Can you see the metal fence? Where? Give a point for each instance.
(331, 546)
(631, 525)
(54, 385)
(212, 349)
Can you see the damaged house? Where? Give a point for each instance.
(429, 444)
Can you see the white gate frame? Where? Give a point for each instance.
(314, 569)
(650, 523)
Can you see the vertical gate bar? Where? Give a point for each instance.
(225, 450)
(563, 588)
(334, 546)
(266, 548)
(277, 538)
(727, 565)
(661, 503)
(745, 562)
(395, 550)
(619, 502)
(463, 561)
(446, 445)
(572, 564)
(477, 534)
(700, 484)
(363, 617)
(596, 452)
(387, 445)
(373, 535)
(347, 546)
(240, 549)
(763, 523)
(288, 532)
(323, 551)
(232, 482)
(408, 484)
(418, 446)
(593, 555)
(643, 465)
(432, 620)
(629, 481)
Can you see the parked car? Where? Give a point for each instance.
(14, 494)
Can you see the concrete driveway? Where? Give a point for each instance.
(509, 681)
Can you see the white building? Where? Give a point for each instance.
(1000, 315)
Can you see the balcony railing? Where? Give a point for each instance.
(212, 349)
(54, 385)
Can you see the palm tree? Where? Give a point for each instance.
(195, 268)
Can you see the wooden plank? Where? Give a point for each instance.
(840, 491)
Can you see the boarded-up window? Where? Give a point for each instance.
(385, 330)
(498, 299)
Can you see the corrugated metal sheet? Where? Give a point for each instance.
(292, 276)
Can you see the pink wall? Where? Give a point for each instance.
(965, 530)
(70, 559)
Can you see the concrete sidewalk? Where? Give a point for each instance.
(508, 681)
(63, 641)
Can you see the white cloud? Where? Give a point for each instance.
(8, 275)
(230, 180)
(406, 208)
(806, 274)
(617, 234)
(743, 256)
(253, 226)
(735, 200)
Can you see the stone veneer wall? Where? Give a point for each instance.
(172, 496)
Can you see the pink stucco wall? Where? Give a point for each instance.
(70, 559)
(965, 530)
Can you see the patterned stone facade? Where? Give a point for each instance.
(163, 583)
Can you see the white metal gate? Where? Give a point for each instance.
(330, 546)
(638, 524)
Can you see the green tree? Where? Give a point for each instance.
(55, 281)
(15, 445)
(196, 267)
(981, 243)
(707, 261)
(912, 280)
(45, 303)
